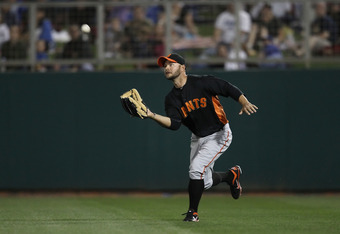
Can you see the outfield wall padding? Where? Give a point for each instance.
(69, 131)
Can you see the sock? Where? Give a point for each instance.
(195, 189)
(219, 177)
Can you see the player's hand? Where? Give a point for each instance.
(248, 108)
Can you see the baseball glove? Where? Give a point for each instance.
(133, 104)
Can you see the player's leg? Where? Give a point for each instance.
(195, 190)
(219, 177)
(231, 177)
(204, 152)
(228, 177)
(196, 185)
(215, 145)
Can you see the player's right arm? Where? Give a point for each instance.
(172, 120)
(162, 120)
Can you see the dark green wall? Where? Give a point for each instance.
(69, 131)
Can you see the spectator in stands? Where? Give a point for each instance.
(82, 14)
(335, 15)
(186, 34)
(324, 30)
(14, 49)
(77, 48)
(185, 27)
(176, 10)
(158, 42)
(113, 37)
(267, 25)
(227, 52)
(271, 54)
(225, 32)
(123, 13)
(16, 14)
(41, 55)
(59, 32)
(137, 35)
(225, 26)
(4, 31)
(9, 16)
(44, 30)
(153, 11)
(280, 10)
(175, 16)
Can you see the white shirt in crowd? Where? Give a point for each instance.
(4, 33)
(226, 22)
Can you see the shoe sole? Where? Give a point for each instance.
(191, 221)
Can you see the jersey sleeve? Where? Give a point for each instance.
(173, 114)
(221, 87)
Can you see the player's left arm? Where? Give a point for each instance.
(247, 107)
(226, 89)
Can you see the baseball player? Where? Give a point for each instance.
(194, 102)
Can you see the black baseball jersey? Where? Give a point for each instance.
(197, 105)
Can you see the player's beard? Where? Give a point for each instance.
(174, 75)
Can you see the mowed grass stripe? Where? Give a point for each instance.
(157, 214)
(88, 215)
(280, 214)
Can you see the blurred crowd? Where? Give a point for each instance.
(265, 31)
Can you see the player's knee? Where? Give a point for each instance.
(195, 175)
(208, 183)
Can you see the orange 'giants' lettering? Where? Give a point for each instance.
(184, 112)
(193, 105)
(190, 106)
(203, 102)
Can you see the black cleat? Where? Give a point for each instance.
(191, 216)
(235, 186)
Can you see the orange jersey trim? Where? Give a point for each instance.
(219, 110)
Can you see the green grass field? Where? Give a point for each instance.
(162, 214)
